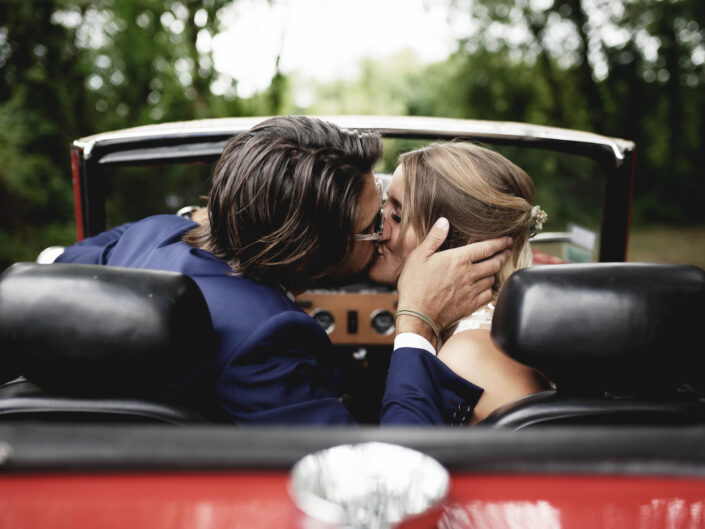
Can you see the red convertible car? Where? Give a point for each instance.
(90, 437)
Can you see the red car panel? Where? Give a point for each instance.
(260, 500)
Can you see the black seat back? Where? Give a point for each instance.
(614, 327)
(88, 331)
(600, 330)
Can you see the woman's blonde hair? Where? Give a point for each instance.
(478, 190)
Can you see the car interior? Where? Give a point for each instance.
(615, 339)
(96, 430)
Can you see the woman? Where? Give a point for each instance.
(484, 196)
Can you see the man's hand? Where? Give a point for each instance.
(447, 285)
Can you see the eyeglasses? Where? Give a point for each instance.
(378, 226)
(377, 230)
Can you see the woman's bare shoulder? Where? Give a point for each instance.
(475, 341)
(473, 355)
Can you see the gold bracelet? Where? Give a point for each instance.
(420, 315)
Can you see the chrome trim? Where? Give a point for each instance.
(552, 236)
(444, 128)
(368, 485)
(187, 211)
(374, 315)
(328, 329)
(50, 254)
(175, 128)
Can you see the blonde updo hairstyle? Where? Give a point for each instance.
(480, 192)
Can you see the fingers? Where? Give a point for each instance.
(489, 267)
(485, 284)
(480, 251)
(484, 292)
(484, 298)
(435, 237)
(486, 249)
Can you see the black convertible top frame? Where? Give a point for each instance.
(203, 141)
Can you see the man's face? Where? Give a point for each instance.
(363, 252)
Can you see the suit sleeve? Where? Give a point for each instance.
(423, 390)
(94, 250)
(282, 375)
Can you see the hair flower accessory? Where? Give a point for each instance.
(538, 217)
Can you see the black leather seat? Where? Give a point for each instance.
(100, 343)
(21, 400)
(621, 342)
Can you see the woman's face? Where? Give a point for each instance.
(388, 261)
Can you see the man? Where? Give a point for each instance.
(294, 200)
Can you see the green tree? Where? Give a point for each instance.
(40, 110)
(71, 68)
(151, 60)
(629, 68)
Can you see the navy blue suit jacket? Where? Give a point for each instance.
(272, 361)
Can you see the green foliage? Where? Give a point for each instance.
(627, 68)
(71, 68)
(382, 88)
(631, 68)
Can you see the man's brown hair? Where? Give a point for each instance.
(284, 199)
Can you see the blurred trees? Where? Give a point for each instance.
(627, 68)
(70, 68)
(41, 106)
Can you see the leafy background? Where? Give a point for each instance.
(627, 68)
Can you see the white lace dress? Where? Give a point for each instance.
(480, 319)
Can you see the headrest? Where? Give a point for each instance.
(84, 329)
(606, 326)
